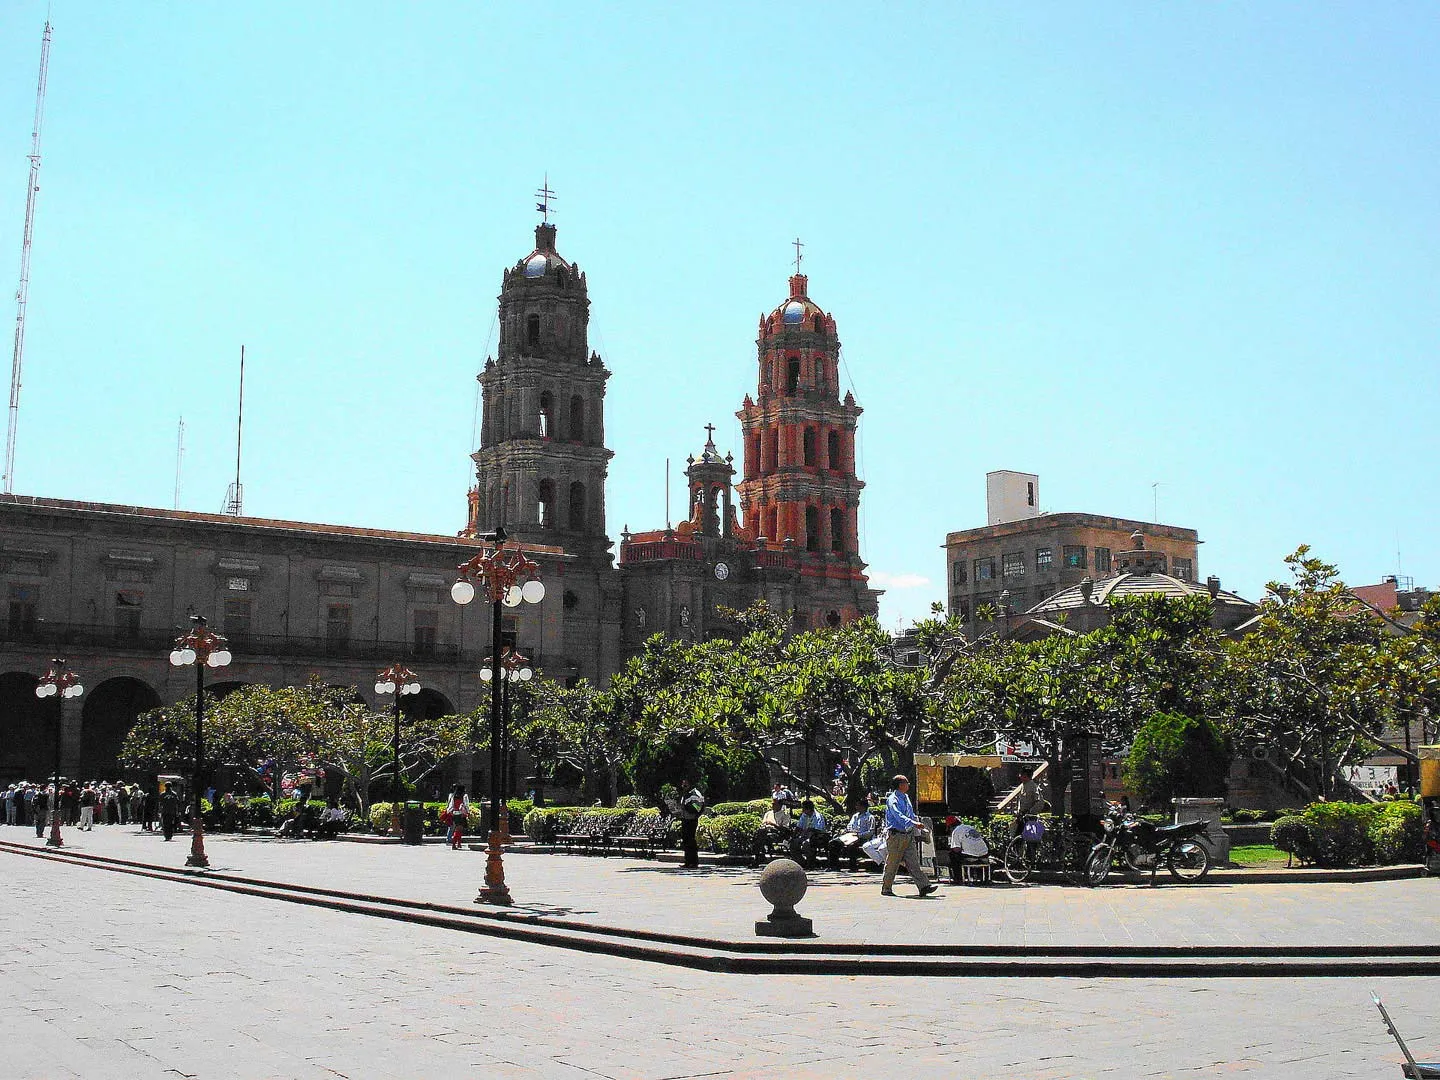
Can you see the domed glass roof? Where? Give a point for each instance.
(535, 265)
(793, 313)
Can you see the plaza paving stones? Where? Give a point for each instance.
(111, 975)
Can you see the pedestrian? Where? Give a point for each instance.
(692, 804)
(902, 841)
(37, 810)
(1027, 803)
(87, 808)
(458, 815)
(169, 812)
(148, 805)
(10, 805)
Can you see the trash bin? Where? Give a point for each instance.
(414, 822)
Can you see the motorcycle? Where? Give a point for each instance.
(1142, 846)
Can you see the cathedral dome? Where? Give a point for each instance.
(799, 312)
(544, 257)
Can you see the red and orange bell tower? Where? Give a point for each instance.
(800, 492)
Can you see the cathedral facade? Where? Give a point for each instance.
(541, 466)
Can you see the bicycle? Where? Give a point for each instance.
(1042, 847)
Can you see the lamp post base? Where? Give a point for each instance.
(495, 890)
(54, 838)
(197, 844)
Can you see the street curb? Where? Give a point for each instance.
(755, 957)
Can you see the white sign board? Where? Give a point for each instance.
(1375, 778)
(1017, 752)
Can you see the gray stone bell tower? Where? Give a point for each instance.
(541, 466)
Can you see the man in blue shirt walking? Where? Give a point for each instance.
(902, 840)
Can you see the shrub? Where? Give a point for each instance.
(1396, 833)
(1247, 817)
(380, 816)
(518, 809)
(544, 822)
(727, 809)
(729, 834)
(630, 802)
(1293, 835)
(1341, 833)
(1175, 755)
(260, 811)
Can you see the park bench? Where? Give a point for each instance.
(583, 842)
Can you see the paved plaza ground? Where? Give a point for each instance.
(110, 975)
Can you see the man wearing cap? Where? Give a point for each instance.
(904, 832)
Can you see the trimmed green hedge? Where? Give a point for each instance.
(1352, 834)
(728, 834)
(380, 818)
(728, 809)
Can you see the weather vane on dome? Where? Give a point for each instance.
(798, 257)
(546, 197)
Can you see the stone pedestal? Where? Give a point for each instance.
(1208, 811)
(783, 883)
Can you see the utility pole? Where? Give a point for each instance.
(22, 294)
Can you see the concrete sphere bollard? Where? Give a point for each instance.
(783, 884)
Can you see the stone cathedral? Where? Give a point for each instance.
(541, 466)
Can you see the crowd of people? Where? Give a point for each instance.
(82, 804)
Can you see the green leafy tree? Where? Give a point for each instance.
(1174, 756)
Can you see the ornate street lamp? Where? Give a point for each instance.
(203, 649)
(513, 668)
(399, 680)
(508, 578)
(60, 683)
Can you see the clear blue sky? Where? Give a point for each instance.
(1113, 244)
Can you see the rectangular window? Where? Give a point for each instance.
(425, 631)
(1013, 564)
(1184, 569)
(958, 572)
(1074, 556)
(128, 605)
(985, 569)
(337, 626)
(24, 610)
(1043, 558)
(237, 620)
(961, 607)
(1102, 560)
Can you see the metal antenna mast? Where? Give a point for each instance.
(23, 292)
(179, 459)
(235, 497)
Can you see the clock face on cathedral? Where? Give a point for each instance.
(722, 571)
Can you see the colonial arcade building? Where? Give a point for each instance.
(109, 587)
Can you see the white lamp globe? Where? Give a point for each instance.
(462, 592)
(486, 674)
(225, 657)
(44, 690)
(412, 688)
(533, 591)
(526, 674)
(380, 688)
(177, 658)
(187, 656)
(74, 691)
(513, 596)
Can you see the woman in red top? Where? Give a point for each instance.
(459, 810)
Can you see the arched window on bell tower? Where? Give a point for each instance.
(809, 445)
(792, 376)
(532, 330)
(832, 448)
(577, 419)
(547, 415)
(545, 512)
(812, 528)
(837, 529)
(577, 506)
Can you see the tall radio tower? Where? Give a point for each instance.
(23, 292)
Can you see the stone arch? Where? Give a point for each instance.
(545, 511)
(27, 729)
(547, 415)
(532, 330)
(428, 704)
(107, 714)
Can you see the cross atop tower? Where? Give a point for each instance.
(710, 433)
(546, 197)
(798, 256)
